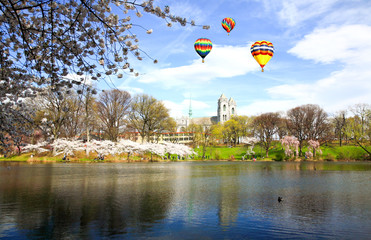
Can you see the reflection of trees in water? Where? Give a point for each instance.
(63, 201)
(55, 206)
(228, 200)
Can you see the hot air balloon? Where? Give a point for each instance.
(203, 46)
(228, 24)
(262, 51)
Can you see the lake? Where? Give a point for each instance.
(185, 200)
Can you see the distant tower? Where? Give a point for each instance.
(190, 108)
(232, 107)
(226, 108)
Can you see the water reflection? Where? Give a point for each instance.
(187, 200)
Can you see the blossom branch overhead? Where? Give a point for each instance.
(52, 39)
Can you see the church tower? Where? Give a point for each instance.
(232, 107)
(226, 108)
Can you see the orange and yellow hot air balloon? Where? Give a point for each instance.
(262, 51)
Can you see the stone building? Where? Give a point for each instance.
(226, 108)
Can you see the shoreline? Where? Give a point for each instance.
(43, 160)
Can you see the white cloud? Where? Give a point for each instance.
(264, 106)
(350, 45)
(354, 14)
(181, 109)
(294, 12)
(132, 90)
(222, 62)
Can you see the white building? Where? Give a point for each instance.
(226, 109)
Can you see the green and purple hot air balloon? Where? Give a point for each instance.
(203, 46)
(228, 24)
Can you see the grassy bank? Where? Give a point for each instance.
(330, 152)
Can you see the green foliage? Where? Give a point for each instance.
(279, 156)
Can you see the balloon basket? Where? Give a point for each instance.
(262, 69)
(203, 61)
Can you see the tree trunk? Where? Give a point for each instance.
(87, 140)
(369, 154)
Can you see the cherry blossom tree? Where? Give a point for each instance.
(313, 148)
(107, 147)
(178, 149)
(154, 148)
(129, 147)
(42, 43)
(102, 148)
(291, 144)
(36, 148)
(50, 39)
(67, 147)
(250, 141)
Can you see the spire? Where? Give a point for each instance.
(231, 100)
(222, 96)
(190, 108)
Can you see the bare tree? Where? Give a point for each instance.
(307, 122)
(339, 122)
(112, 108)
(266, 126)
(358, 126)
(55, 108)
(363, 111)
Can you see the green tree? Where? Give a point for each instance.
(244, 123)
(193, 129)
(147, 115)
(232, 129)
(168, 125)
(217, 132)
(355, 130)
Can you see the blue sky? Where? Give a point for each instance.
(322, 56)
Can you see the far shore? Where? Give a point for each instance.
(108, 160)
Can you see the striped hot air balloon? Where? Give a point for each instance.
(203, 46)
(262, 51)
(228, 24)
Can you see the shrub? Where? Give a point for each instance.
(217, 154)
(279, 156)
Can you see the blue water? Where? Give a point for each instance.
(185, 200)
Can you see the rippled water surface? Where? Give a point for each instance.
(190, 200)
